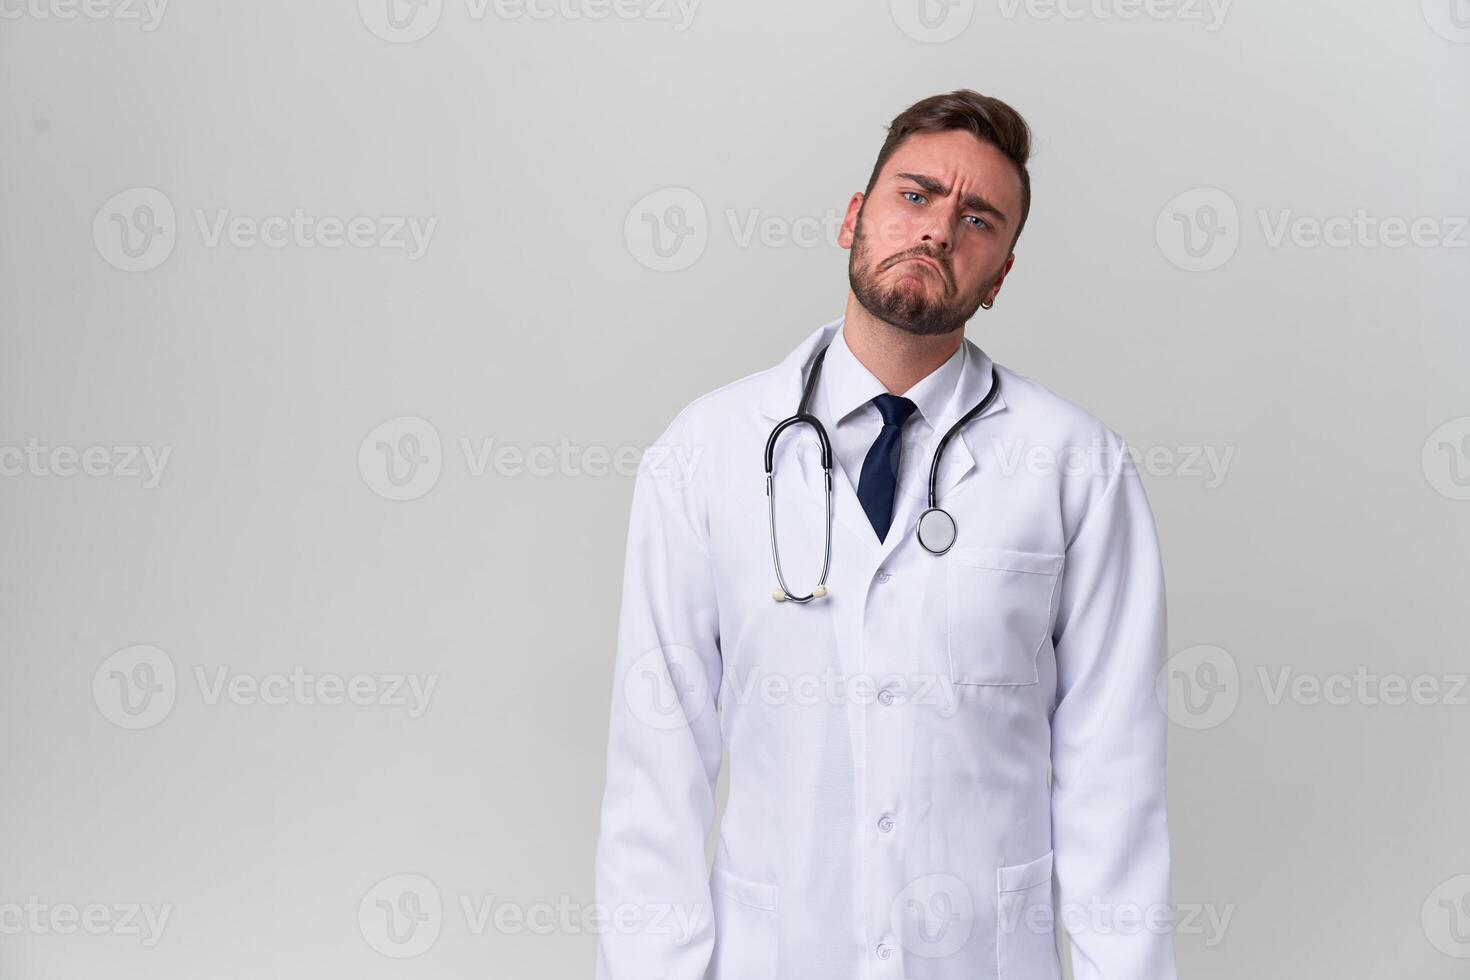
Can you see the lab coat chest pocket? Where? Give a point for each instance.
(1000, 609)
(745, 927)
(1025, 927)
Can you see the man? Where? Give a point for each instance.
(922, 753)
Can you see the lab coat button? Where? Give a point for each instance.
(885, 823)
(884, 951)
(884, 575)
(885, 697)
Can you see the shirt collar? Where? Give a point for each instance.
(848, 385)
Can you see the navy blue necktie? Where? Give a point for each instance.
(880, 467)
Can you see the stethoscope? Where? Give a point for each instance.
(936, 529)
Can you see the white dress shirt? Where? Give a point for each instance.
(844, 402)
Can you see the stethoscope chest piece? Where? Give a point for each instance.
(936, 530)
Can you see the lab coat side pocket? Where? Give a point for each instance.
(1000, 608)
(1025, 922)
(745, 927)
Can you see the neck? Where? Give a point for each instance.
(896, 357)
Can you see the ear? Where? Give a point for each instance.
(1004, 271)
(848, 230)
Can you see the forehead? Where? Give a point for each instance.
(957, 158)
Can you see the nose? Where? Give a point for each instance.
(939, 230)
(937, 235)
(934, 237)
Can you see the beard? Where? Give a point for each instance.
(911, 308)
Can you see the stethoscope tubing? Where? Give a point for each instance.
(804, 417)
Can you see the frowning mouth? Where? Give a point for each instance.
(927, 261)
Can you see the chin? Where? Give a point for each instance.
(920, 320)
(927, 328)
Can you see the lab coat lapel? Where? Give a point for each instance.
(782, 388)
(962, 454)
(779, 398)
(846, 507)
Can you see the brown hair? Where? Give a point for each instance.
(988, 119)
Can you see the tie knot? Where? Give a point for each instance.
(895, 409)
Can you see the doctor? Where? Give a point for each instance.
(943, 736)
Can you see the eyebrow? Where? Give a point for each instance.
(970, 202)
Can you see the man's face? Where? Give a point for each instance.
(933, 239)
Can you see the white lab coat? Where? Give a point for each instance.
(915, 761)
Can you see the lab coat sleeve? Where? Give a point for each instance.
(1109, 734)
(664, 743)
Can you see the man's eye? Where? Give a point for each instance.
(979, 221)
(912, 195)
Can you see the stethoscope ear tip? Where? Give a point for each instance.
(781, 595)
